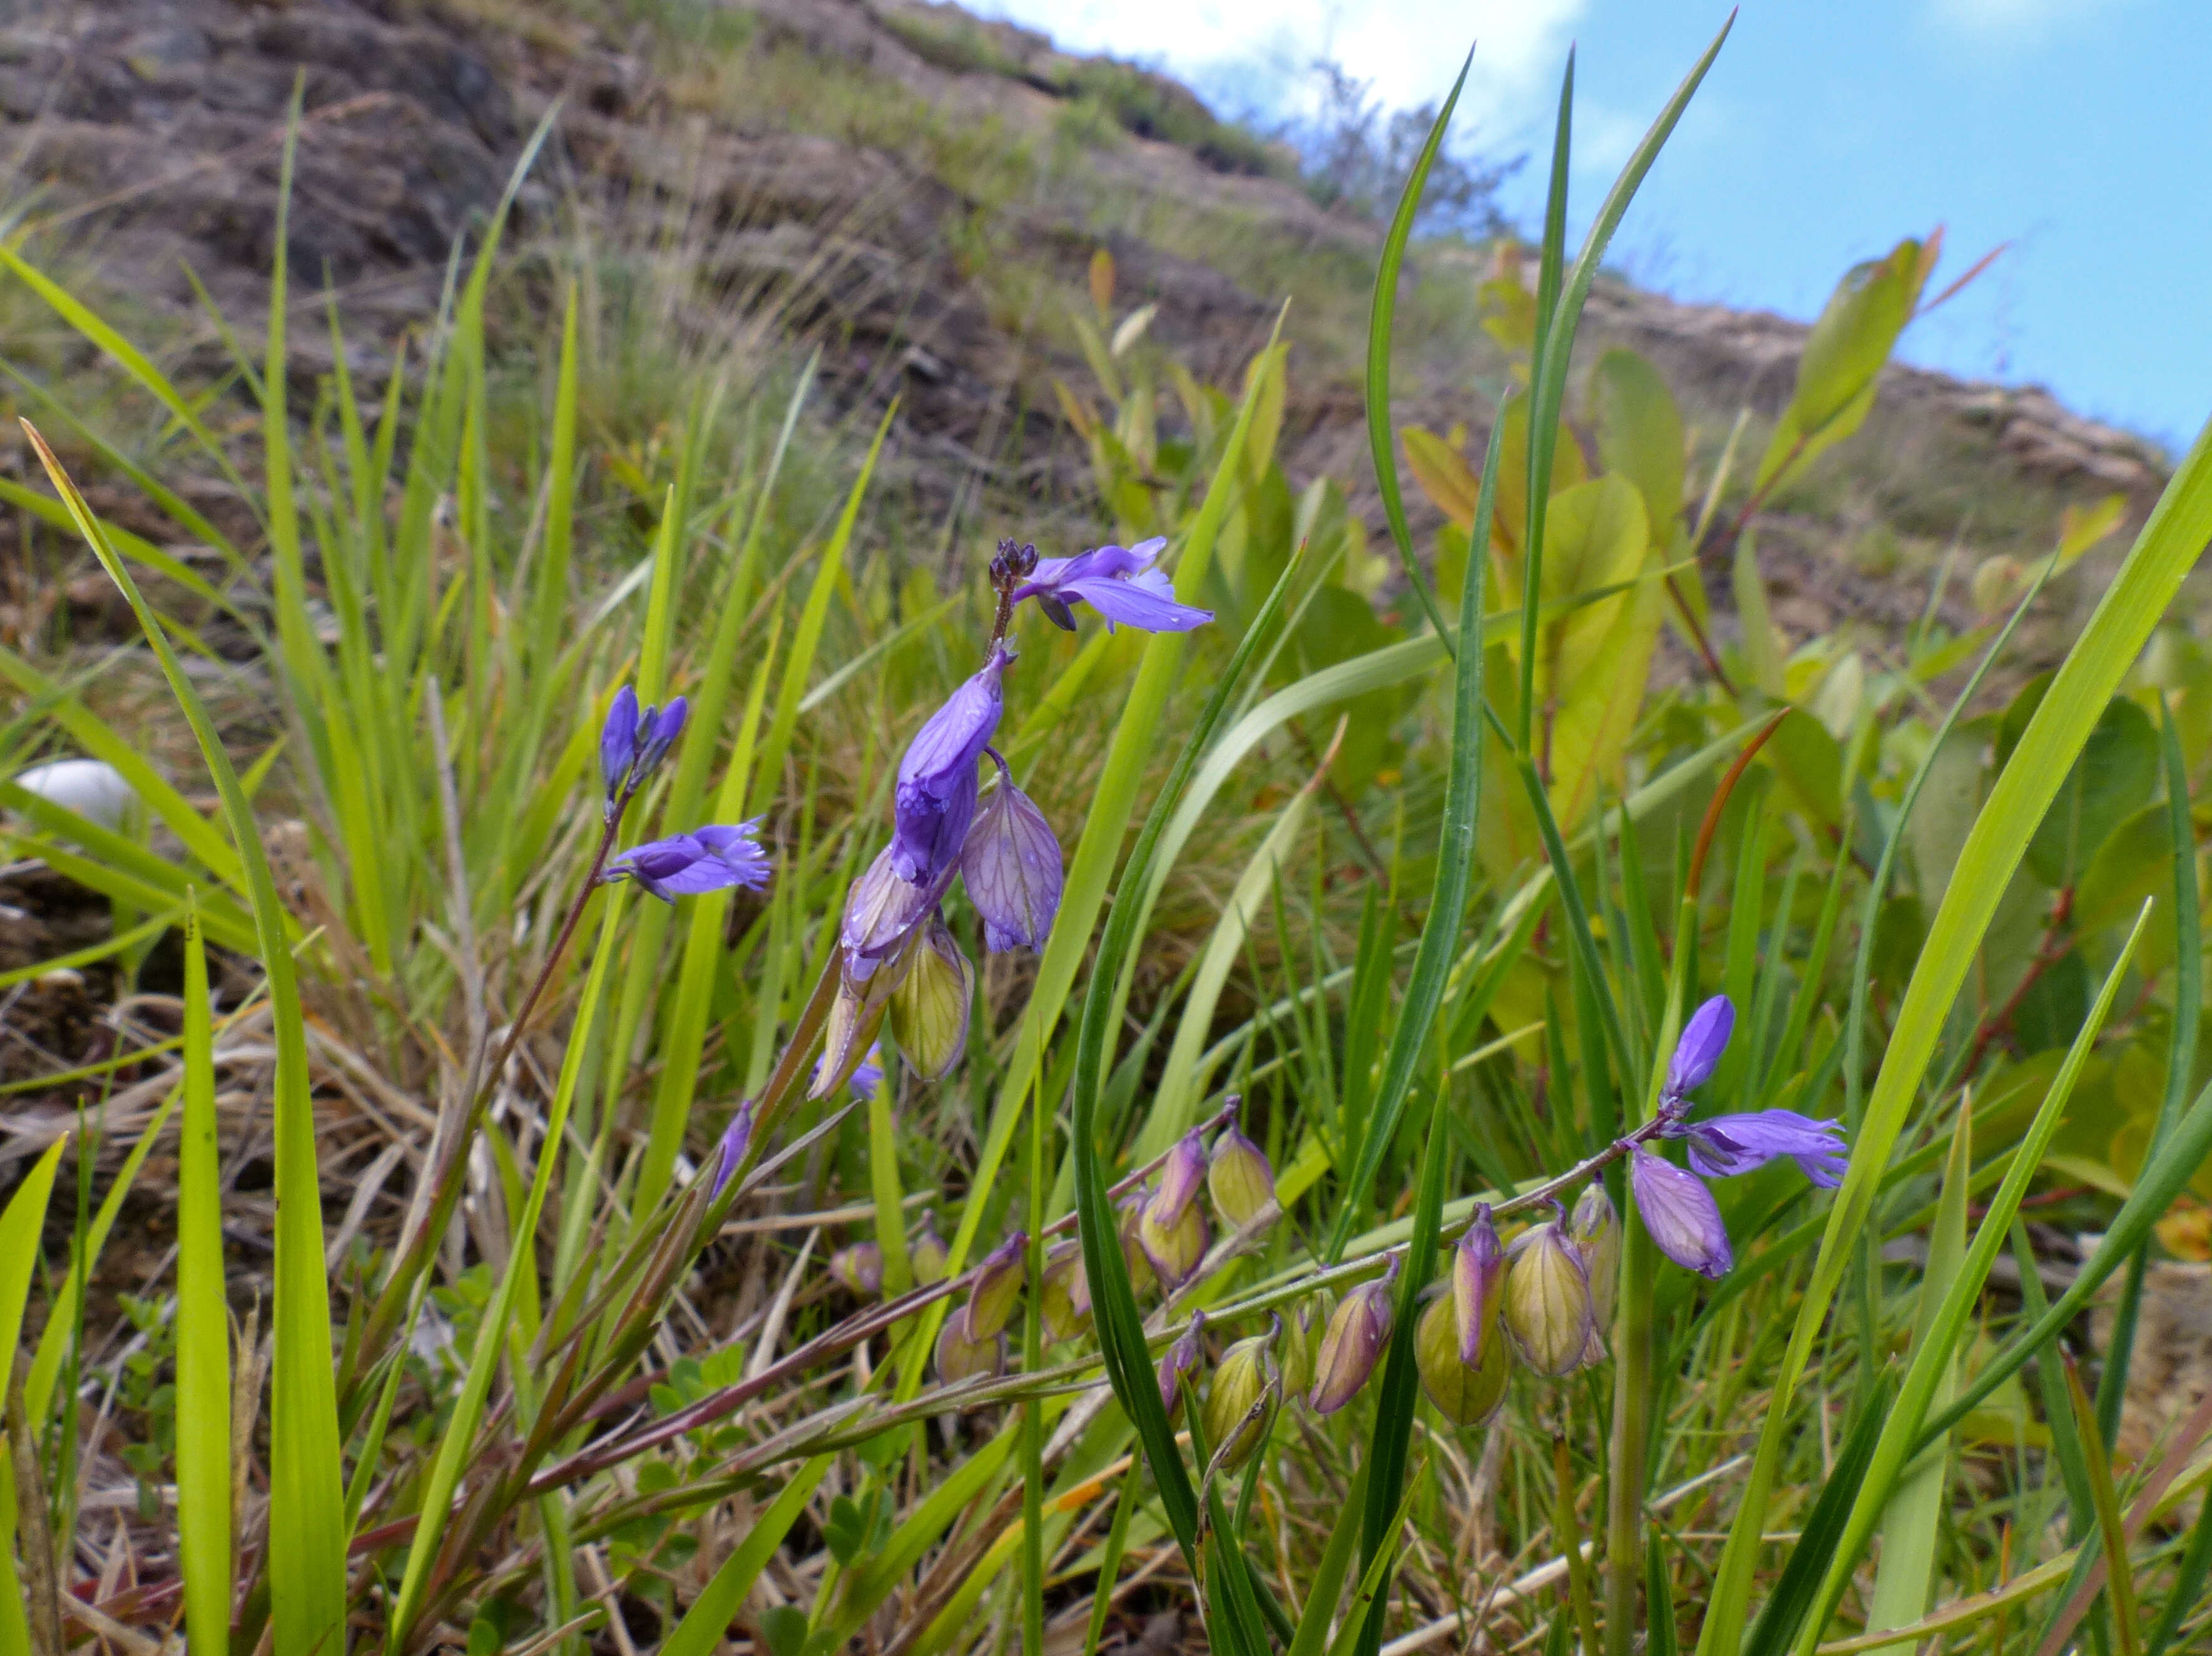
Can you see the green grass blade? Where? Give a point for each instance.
(204, 1472)
(553, 595)
(701, 1631)
(2145, 585)
(1321, 1593)
(21, 1222)
(307, 1526)
(1935, 1354)
(1381, 314)
(2119, 1578)
(2188, 1585)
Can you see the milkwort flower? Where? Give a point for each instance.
(935, 799)
(1011, 860)
(1119, 582)
(632, 744)
(711, 858)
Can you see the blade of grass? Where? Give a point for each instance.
(2119, 1578)
(20, 1223)
(701, 1631)
(307, 1526)
(203, 1472)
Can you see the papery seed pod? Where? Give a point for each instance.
(1680, 1214)
(1478, 1280)
(960, 1358)
(1139, 1264)
(1547, 1302)
(929, 1008)
(1064, 1295)
(1246, 1374)
(1242, 1183)
(1594, 1229)
(1302, 1335)
(859, 1267)
(855, 1015)
(1010, 862)
(1357, 1331)
(927, 1254)
(1464, 1394)
(1175, 1250)
(1181, 1361)
(997, 1289)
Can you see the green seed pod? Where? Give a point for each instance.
(928, 1255)
(1174, 1248)
(1594, 1229)
(859, 1267)
(1463, 1396)
(1548, 1303)
(929, 1008)
(998, 1288)
(959, 1358)
(1064, 1296)
(1141, 1276)
(1302, 1333)
(1246, 1374)
(1242, 1183)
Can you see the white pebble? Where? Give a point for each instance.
(94, 788)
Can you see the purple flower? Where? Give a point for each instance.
(632, 742)
(1680, 1214)
(1119, 582)
(1181, 1361)
(1738, 1144)
(1697, 1053)
(864, 1081)
(708, 859)
(936, 794)
(1357, 1331)
(736, 1139)
(1011, 860)
(881, 912)
(1478, 1274)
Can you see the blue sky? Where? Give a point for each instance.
(2078, 130)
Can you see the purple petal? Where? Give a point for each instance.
(658, 859)
(1680, 1214)
(1011, 860)
(737, 1138)
(1145, 602)
(1697, 1053)
(618, 738)
(936, 794)
(1727, 1145)
(880, 912)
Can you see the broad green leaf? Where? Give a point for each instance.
(2111, 779)
(1762, 645)
(1639, 432)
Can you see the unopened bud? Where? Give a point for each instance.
(927, 1254)
(1064, 1295)
(1244, 1378)
(1464, 1394)
(1182, 1362)
(859, 1267)
(1478, 1275)
(736, 1140)
(1139, 1264)
(1548, 1302)
(960, 1358)
(1181, 1176)
(1242, 1183)
(1594, 1229)
(997, 1289)
(1357, 1334)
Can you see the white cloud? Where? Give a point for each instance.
(1407, 49)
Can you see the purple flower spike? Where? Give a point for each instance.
(1680, 1214)
(634, 741)
(1119, 582)
(1011, 860)
(736, 1139)
(1727, 1145)
(708, 859)
(936, 796)
(1697, 1053)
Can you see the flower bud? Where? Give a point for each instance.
(1302, 1341)
(927, 1254)
(997, 1289)
(1478, 1274)
(1697, 1053)
(618, 741)
(960, 1358)
(1182, 1362)
(1064, 1294)
(1245, 1376)
(1594, 1229)
(1357, 1334)
(859, 1267)
(1242, 1183)
(1180, 1179)
(929, 1008)
(1680, 1214)
(1139, 1264)
(1464, 1394)
(1547, 1302)
(736, 1139)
